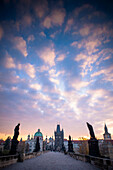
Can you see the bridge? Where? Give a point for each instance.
(51, 161)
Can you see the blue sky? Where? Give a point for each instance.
(56, 66)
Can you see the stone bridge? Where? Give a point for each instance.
(51, 161)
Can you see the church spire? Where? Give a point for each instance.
(106, 129)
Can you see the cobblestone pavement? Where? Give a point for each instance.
(51, 161)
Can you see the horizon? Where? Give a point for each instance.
(56, 65)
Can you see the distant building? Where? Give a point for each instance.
(106, 145)
(31, 142)
(2, 142)
(107, 136)
(59, 139)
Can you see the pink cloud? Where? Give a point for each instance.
(40, 8)
(29, 69)
(48, 56)
(26, 20)
(30, 38)
(35, 86)
(9, 61)
(61, 57)
(20, 45)
(107, 72)
(70, 22)
(1, 32)
(78, 84)
(42, 34)
(56, 18)
(80, 9)
(84, 31)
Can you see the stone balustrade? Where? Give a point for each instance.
(102, 163)
(11, 159)
(8, 160)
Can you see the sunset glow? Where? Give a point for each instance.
(56, 66)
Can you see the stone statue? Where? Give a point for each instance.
(70, 145)
(15, 142)
(92, 135)
(16, 132)
(93, 143)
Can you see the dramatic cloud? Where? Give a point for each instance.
(56, 66)
(56, 18)
(20, 44)
(69, 24)
(40, 8)
(9, 61)
(48, 56)
(30, 70)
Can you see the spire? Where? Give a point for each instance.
(58, 128)
(106, 129)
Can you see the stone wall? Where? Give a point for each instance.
(102, 163)
(11, 159)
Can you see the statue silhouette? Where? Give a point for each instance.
(15, 142)
(92, 135)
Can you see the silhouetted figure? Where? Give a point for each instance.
(92, 135)
(37, 148)
(15, 142)
(93, 142)
(70, 145)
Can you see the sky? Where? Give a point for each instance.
(56, 66)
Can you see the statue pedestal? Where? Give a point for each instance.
(14, 147)
(70, 146)
(93, 147)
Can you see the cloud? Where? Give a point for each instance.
(40, 8)
(82, 8)
(29, 69)
(30, 38)
(61, 57)
(35, 86)
(9, 78)
(56, 81)
(26, 20)
(107, 74)
(1, 32)
(9, 61)
(74, 44)
(20, 45)
(78, 84)
(56, 18)
(87, 62)
(85, 30)
(48, 56)
(69, 24)
(42, 34)
(43, 68)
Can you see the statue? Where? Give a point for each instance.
(92, 135)
(15, 142)
(16, 132)
(70, 145)
(93, 142)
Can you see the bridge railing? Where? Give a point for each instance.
(99, 162)
(8, 160)
(11, 159)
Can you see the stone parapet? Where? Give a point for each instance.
(103, 163)
(11, 159)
